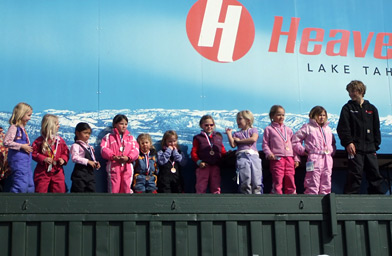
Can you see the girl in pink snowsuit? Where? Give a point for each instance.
(278, 149)
(120, 149)
(319, 147)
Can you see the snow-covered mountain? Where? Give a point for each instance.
(184, 121)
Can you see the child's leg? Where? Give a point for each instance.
(277, 172)
(257, 174)
(41, 181)
(151, 184)
(139, 183)
(202, 175)
(215, 179)
(289, 173)
(126, 179)
(244, 170)
(57, 183)
(325, 176)
(312, 178)
(114, 178)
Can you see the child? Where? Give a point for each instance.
(82, 154)
(359, 133)
(120, 149)
(170, 159)
(146, 169)
(207, 151)
(249, 166)
(319, 147)
(278, 149)
(51, 153)
(19, 151)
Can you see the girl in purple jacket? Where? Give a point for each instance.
(278, 149)
(319, 147)
(19, 151)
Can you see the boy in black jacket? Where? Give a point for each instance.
(359, 133)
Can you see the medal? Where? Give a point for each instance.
(287, 148)
(326, 151)
(212, 152)
(209, 143)
(173, 170)
(54, 163)
(121, 149)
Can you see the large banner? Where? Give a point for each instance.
(166, 63)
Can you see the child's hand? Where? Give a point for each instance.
(60, 161)
(271, 157)
(296, 164)
(48, 160)
(203, 165)
(97, 165)
(229, 130)
(91, 163)
(27, 148)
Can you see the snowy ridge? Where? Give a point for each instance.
(184, 121)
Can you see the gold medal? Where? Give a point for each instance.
(173, 170)
(287, 148)
(212, 153)
(326, 151)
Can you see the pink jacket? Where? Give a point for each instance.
(112, 143)
(273, 143)
(315, 141)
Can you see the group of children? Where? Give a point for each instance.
(134, 165)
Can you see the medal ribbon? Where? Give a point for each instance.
(27, 136)
(324, 137)
(147, 162)
(208, 140)
(52, 152)
(284, 137)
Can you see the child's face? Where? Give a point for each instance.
(121, 126)
(145, 145)
(83, 135)
(171, 142)
(242, 123)
(27, 117)
(322, 118)
(57, 125)
(208, 126)
(355, 95)
(279, 116)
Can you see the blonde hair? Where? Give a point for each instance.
(20, 110)
(167, 135)
(145, 136)
(357, 85)
(48, 130)
(246, 114)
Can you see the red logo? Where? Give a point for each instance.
(220, 30)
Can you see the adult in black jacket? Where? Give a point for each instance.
(359, 133)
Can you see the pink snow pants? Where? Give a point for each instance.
(283, 172)
(210, 173)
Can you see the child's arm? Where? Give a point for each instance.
(298, 139)
(11, 144)
(232, 142)
(37, 154)
(179, 157)
(252, 139)
(77, 155)
(133, 154)
(194, 156)
(265, 145)
(106, 152)
(164, 156)
(63, 157)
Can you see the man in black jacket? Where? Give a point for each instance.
(359, 133)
